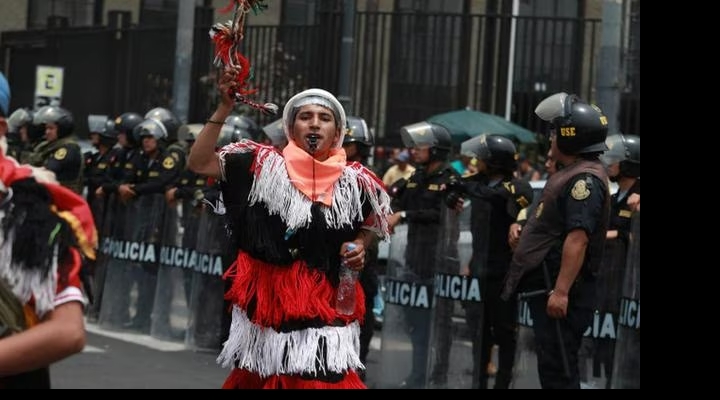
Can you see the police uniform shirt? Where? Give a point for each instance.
(66, 162)
(121, 169)
(97, 169)
(422, 199)
(505, 199)
(620, 212)
(154, 175)
(188, 183)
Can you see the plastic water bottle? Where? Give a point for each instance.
(345, 302)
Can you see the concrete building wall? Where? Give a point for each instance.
(14, 15)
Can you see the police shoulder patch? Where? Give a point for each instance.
(60, 154)
(580, 191)
(509, 187)
(168, 162)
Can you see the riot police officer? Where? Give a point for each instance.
(103, 137)
(171, 143)
(60, 151)
(357, 142)
(156, 170)
(561, 246)
(419, 203)
(496, 199)
(22, 135)
(122, 164)
(243, 127)
(622, 160)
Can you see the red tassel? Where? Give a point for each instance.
(283, 293)
(243, 379)
(227, 39)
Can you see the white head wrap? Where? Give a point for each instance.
(318, 97)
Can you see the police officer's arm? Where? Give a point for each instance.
(203, 159)
(583, 213)
(114, 173)
(89, 180)
(517, 226)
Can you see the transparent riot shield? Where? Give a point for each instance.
(115, 304)
(131, 276)
(525, 373)
(408, 290)
(209, 321)
(104, 211)
(626, 365)
(598, 346)
(170, 309)
(456, 339)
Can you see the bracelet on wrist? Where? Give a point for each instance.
(212, 121)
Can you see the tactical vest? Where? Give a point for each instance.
(540, 234)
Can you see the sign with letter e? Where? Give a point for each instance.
(48, 85)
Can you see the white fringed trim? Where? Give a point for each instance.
(272, 187)
(26, 283)
(267, 352)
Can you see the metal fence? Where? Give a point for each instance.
(406, 66)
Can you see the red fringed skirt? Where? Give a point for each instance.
(266, 357)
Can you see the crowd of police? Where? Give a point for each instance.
(450, 260)
(164, 247)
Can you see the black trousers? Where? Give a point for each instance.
(552, 336)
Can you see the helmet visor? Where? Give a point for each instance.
(274, 132)
(17, 119)
(476, 148)
(97, 123)
(150, 127)
(552, 107)
(189, 132)
(418, 135)
(616, 150)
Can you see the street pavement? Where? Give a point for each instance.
(119, 360)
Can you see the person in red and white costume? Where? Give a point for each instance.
(293, 213)
(45, 231)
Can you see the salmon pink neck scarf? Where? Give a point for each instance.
(313, 177)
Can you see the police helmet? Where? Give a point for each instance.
(55, 115)
(150, 127)
(358, 132)
(428, 134)
(229, 134)
(274, 132)
(630, 166)
(242, 127)
(19, 118)
(579, 127)
(189, 132)
(169, 120)
(127, 122)
(100, 124)
(496, 151)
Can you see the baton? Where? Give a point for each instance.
(527, 295)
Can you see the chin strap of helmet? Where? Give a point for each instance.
(227, 38)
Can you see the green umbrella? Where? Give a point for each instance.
(465, 124)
